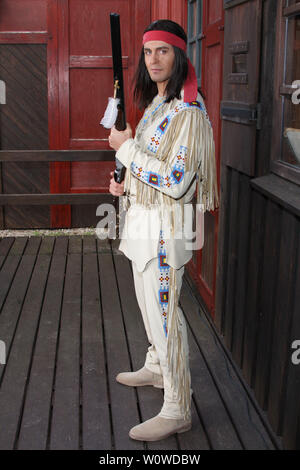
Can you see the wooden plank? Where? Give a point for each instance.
(53, 76)
(291, 10)
(105, 62)
(244, 426)
(27, 37)
(291, 420)
(124, 409)
(254, 275)
(96, 429)
(264, 138)
(243, 236)
(43, 199)
(24, 217)
(281, 346)
(60, 174)
(85, 215)
(210, 433)
(232, 258)
(25, 114)
(222, 258)
(56, 155)
(60, 215)
(103, 246)
(17, 371)
(220, 432)
(65, 425)
(266, 317)
(280, 190)
(63, 52)
(24, 125)
(13, 289)
(24, 70)
(37, 407)
(5, 245)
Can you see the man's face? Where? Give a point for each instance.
(159, 60)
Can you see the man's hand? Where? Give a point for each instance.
(117, 138)
(115, 189)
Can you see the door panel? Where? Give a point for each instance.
(89, 37)
(239, 108)
(23, 15)
(85, 83)
(24, 126)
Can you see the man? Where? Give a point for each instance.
(173, 147)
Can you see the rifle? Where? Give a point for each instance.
(115, 111)
(120, 123)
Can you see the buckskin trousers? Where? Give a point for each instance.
(152, 291)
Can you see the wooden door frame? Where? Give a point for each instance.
(206, 293)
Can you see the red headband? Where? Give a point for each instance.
(190, 85)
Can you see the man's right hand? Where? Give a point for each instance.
(116, 189)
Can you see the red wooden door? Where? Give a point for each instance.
(80, 75)
(203, 265)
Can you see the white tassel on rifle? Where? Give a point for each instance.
(111, 113)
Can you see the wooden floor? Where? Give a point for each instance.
(70, 322)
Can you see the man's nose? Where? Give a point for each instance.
(154, 58)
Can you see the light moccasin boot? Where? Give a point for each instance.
(139, 378)
(158, 428)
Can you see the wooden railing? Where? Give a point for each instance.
(54, 156)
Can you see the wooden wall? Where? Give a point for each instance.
(260, 295)
(24, 117)
(24, 126)
(258, 291)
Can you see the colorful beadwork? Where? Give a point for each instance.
(161, 129)
(159, 181)
(149, 114)
(164, 278)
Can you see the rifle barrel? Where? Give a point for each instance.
(118, 66)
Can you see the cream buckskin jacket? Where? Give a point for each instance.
(170, 156)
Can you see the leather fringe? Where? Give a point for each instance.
(178, 360)
(200, 160)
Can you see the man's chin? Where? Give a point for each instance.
(158, 80)
(155, 79)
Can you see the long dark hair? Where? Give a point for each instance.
(145, 89)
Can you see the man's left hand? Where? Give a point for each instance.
(117, 138)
